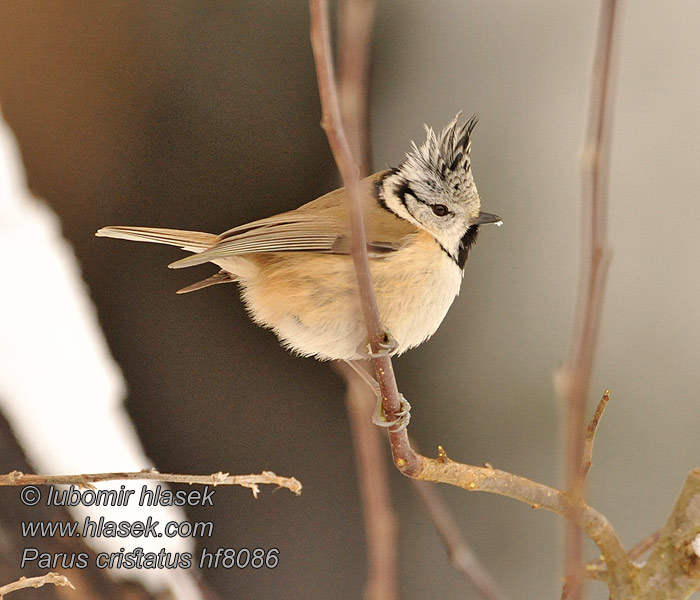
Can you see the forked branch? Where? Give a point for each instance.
(674, 556)
(574, 378)
(406, 459)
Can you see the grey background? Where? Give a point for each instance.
(204, 116)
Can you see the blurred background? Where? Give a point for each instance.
(205, 115)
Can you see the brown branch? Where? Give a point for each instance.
(461, 556)
(406, 459)
(597, 569)
(673, 569)
(674, 565)
(380, 520)
(354, 33)
(35, 582)
(574, 378)
(332, 124)
(587, 457)
(355, 21)
(249, 481)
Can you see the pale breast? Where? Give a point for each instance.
(415, 288)
(311, 301)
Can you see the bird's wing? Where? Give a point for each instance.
(319, 226)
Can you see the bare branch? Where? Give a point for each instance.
(596, 569)
(574, 378)
(461, 555)
(249, 481)
(673, 569)
(331, 121)
(586, 459)
(380, 521)
(355, 21)
(354, 33)
(35, 582)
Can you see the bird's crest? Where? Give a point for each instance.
(448, 151)
(443, 162)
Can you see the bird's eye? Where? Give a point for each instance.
(440, 209)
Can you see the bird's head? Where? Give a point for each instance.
(434, 189)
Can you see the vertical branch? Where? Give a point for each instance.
(404, 456)
(354, 37)
(595, 258)
(332, 124)
(380, 521)
(354, 32)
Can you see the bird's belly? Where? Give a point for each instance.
(313, 304)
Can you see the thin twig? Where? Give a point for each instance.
(355, 21)
(35, 582)
(587, 458)
(462, 557)
(596, 569)
(85, 480)
(640, 548)
(331, 121)
(595, 258)
(354, 33)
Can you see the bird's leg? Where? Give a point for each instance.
(378, 417)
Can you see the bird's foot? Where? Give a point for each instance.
(402, 417)
(386, 347)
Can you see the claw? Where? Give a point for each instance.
(387, 346)
(402, 417)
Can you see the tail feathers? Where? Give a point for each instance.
(220, 277)
(192, 241)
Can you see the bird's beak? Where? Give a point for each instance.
(485, 218)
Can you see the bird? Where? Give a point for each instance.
(296, 274)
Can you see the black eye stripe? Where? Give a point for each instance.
(404, 190)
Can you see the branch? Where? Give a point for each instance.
(673, 569)
(587, 457)
(596, 569)
(354, 33)
(380, 520)
(332, 124)
(249, 481)
(35, 582)
(574, 378)
(381, 530)
(462, 557)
